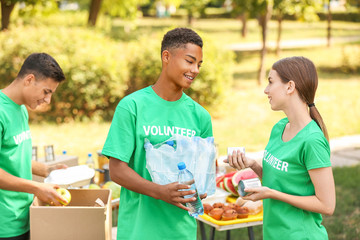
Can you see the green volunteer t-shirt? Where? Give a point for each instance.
(141, 115)
(15, 158)
(285, 168)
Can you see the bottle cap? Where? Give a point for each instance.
(89, 154)
(64, 152)
(181, 165)
(170, 143)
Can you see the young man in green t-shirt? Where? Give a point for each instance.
(148, 210)
(35, 83)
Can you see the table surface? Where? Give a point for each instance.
(230, 226)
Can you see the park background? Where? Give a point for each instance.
(109, 49)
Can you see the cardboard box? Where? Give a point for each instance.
(79, 220)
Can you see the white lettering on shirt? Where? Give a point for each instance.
(22, 137)
(168, 131)
(275, 163)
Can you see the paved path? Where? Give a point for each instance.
(289, 44)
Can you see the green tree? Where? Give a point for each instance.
(242, 10)
(193, 7)
(301, 9)
(30, 7)
(7, 7)
(116, 8)
(263, 8)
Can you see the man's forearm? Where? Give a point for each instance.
(39, 169)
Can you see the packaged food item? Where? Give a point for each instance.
(254, 207)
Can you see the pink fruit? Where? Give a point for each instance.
(242, 175)
(229, 186)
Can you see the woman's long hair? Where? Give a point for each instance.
(303, 72)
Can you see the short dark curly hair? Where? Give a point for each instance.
(42, 65)
(179, 37)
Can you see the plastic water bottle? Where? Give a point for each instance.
(90, 161)
(186, 177)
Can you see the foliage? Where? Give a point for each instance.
(215, 77)
(302, 9)
(210, 86)
(353, 16)
(95, 72)
(194, 8)
(123, 9)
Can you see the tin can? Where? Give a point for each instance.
(248, 183)
(230, 150)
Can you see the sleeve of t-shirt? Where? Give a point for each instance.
(120, 142)
(1, 134)
(206, 126)
(317, 152)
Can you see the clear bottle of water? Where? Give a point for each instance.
(186, 177)
(90, 161)
(91, 164)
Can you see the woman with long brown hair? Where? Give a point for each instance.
(298, 184)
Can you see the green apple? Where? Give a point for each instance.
(65, 194)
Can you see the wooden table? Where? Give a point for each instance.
(226, 228)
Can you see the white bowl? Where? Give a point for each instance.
(77, 176)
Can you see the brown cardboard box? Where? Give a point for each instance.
(80, 220)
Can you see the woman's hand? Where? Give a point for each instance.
(238, 160)
(258, 193)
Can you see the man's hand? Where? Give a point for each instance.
(55, 167)
(174, 193)
(47, 193)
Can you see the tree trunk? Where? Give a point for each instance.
(190, 18)
(95, 6)
(6, 9)
(263, 20)
(278, 41)
(243, 18)
(329, 18)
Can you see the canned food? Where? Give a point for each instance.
(248, 183)
(230, 150)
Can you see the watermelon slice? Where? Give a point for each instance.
(221, 184)
(219, 179)
(230, 174)
(243, 174)
(229, 186)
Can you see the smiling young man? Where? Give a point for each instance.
(148, 210)
(35, 83)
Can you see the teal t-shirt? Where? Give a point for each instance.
(15, 158)
(285, 168)
(141, 115)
